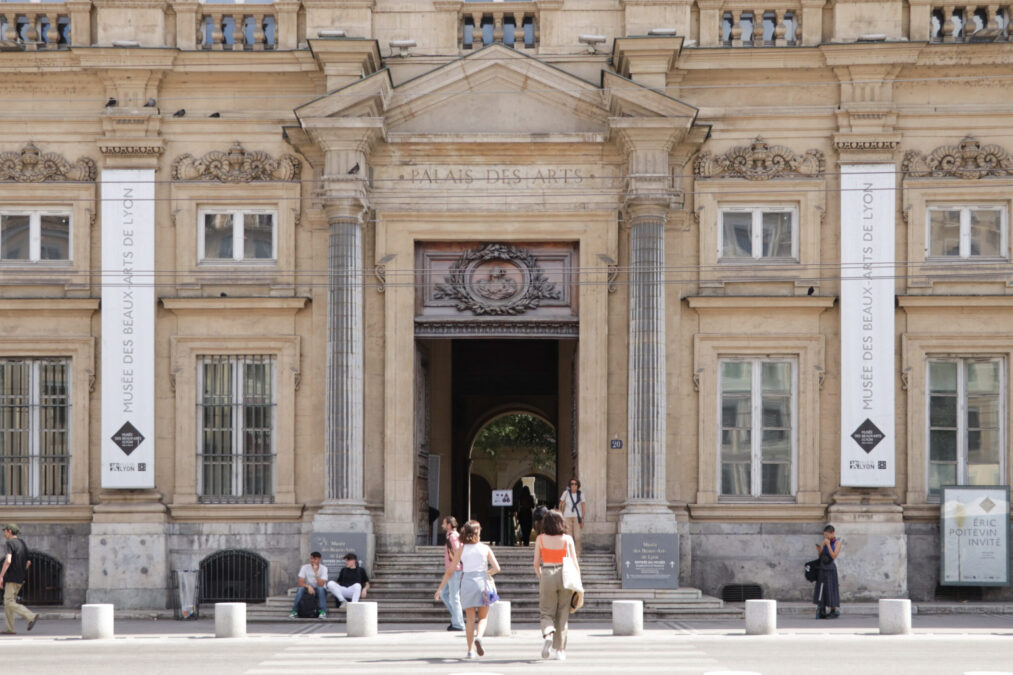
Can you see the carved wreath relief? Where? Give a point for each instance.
(970, 159)
(31, 166)
(236, 166)
(760, 161)
(496, 280)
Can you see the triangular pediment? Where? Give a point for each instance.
(496, 91)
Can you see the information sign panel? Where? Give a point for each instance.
(650, 560)
(502, 498)
(334, 545)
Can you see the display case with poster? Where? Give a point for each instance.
(974, 535)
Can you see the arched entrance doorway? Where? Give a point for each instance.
(514, 451)
(492, 414)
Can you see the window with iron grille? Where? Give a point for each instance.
(236, 424)
(34, 430)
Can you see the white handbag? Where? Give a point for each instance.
(571, 575)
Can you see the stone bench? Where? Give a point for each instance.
(230, 619)
(97, 622)
(761, 617)
(627, 617)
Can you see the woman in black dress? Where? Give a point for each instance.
(827, 593)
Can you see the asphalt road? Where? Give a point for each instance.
(949, 644)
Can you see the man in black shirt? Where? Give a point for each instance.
(352, 581)
(12, 577)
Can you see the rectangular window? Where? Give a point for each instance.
(966, 399)
(236, 423)
(758, 430)
(34, 430)
(758, 233)
(31, 236)
(237, 235)
(967, 232)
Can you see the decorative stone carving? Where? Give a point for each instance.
(496, 280)
(31, 166)
(236, 166)
(970, 159)
(497, 327)
(760, 161)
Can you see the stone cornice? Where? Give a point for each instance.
(760, 303)
(230, 304)
(29, 165)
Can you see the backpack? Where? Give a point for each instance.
(812, 570)
(308, 608)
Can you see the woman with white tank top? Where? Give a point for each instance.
(479, 563)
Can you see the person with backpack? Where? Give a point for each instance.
(312, 581)
(827, 593)
(573, 506)
(12, 578)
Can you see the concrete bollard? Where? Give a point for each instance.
(761, 617)
(230, 619)
(360, 620)
(500, 617)
(627, 617)
(97, 622)
(894, 617)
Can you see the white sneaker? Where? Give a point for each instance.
(560, 655)
(547, 646)
(471, 655)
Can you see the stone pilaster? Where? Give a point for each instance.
(646, 397)
(344, 406)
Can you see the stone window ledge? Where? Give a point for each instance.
(753, 511)
(235, 512)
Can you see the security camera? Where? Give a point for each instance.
(592, 41)
(402, 46)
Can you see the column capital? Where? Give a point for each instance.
(345, 209)
(653, 206)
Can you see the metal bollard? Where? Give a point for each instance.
(97, 622)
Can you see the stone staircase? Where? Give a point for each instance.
(403, 584)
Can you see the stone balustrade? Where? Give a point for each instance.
(738, 23)
(970, 23)
(238, 28)
(35, 27)
(514, 24)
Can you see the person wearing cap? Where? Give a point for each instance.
(12, 578)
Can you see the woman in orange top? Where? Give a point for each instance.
(553, 600)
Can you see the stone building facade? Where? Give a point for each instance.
(359, 230)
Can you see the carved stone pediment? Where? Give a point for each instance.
(496, 280)
(970, 159)
(760, 161)
(31, 166)
(236, 166)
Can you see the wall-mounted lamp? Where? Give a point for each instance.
(402, 46)
(126, 43)
(592, 42)
(662, 32)
(331, 33)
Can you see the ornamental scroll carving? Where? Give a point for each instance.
(236, 166)
(760, 161)
(496, 280)
(31, 166)
(969, 159)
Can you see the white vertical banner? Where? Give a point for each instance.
(868, 435)
(128, 328)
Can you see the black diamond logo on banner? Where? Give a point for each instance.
(867, 435)
(128, 438)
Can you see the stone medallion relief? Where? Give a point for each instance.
(497, 280)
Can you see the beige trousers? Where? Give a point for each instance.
(573, 529)
(11, 606)
(554, 605)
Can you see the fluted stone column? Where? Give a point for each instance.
(344, 419)
(646, 406)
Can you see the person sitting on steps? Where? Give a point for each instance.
(352, 583)
(312, 579)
